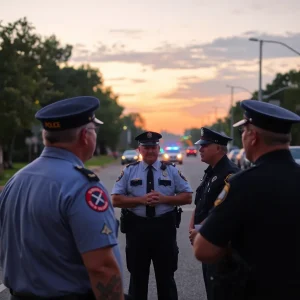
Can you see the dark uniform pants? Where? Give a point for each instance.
(152, 239)
(217, 289)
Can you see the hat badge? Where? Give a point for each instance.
(202, 132)
(149, 135)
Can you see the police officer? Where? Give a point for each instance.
(149, 190)
(213, 151)
(58, 231)
(258, 203)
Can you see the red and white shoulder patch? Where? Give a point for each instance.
(97, 199)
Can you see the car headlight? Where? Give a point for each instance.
(179, 155)
(135, 157)
(123, 157)
(141, 157)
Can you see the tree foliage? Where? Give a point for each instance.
(289, 98)
(34, 72)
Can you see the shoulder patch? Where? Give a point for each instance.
(88, 173)
(181, 175)
(120, 176)
(222, 196)
(133, 164)
(227, 177)
(96, 199)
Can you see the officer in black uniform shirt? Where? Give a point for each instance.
(258, 203)
(213, 150)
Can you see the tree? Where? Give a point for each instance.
(20, 81)
(34, 73)
(109, 112)
(26, 64)
(134, 124)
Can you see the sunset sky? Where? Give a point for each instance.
(171, 60)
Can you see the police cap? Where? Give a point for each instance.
(209, 136)
(69, 113)
(267, 116)
(148, 138)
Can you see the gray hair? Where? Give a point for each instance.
(62, 136)
(224, 149)
(274, 139)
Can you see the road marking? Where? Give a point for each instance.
(2, 287)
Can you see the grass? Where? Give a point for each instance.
(7, 174)
(96, 161)
(100, 160)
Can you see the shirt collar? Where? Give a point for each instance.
(220, 164)
(61, 154)
(275, 156)
(211, 170)
(154, 165)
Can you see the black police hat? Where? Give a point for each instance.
(267, 116)
(69, 113)
(209, 136)
(148, 138)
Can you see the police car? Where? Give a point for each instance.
(129, 156)
(173, 154)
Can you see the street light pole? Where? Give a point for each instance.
(232, 87)
(260, 93)
(231, 115)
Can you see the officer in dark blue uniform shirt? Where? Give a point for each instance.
(213, 151)
(58, 230)
(256, 204)
(149, 192)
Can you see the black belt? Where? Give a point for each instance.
(87, 296)
(164, 216)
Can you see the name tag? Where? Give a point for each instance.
(164, 182)
(136, 182)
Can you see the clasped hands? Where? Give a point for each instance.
(153, 198)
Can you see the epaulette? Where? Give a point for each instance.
(88, 173)
(164, 164)
(133, 164)
(243, 173)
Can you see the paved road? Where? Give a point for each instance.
(189, 275)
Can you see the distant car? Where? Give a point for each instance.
(173, 154)
(232, 154)
(191, 151)
(295, 151)
(129, 156)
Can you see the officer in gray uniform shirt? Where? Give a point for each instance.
(148, 193)
(58, 230)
